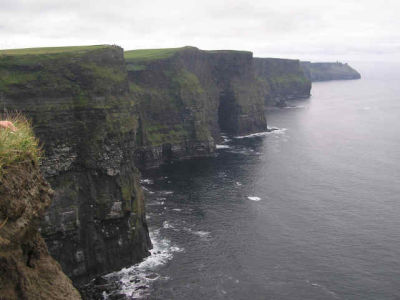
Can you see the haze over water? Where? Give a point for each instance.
(322, 220)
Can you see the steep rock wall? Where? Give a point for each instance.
(186, 96)
(329, 71)
(78, 99)
(27, 271)
(283, 79)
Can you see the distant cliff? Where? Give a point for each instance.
(187, 96)
(78, 99)
(329, 71)
(283, 79)
(27, 271)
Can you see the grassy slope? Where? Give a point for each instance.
(46, 71)
(19, 146)
(151, 54)
(50, 50)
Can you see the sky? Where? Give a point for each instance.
(344, 30)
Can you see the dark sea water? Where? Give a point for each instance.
(323, 217)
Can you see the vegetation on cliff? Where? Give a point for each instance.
(27, 271)
(152, 54)
(17, 146)
(46, 72)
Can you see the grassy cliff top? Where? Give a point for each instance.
(51, 50)
(229, 51)
(152, 54)
(19, 145)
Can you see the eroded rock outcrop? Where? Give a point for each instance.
(27, 271)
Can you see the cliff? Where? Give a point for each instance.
(329, 71)
(100, 115)
(78, 99)
(27, 271)
(187, 96)
(283, 79)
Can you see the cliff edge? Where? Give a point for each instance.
(27, 271)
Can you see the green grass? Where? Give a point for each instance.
(152, 54)
(228, 51)
(50, 50)
(18, 146)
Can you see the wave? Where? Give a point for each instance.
(135, 281)
(166, 192)
(272, 130)
(200, 233)
(254, 198)
(147, 190)
(167, 225)
(147, 181)
(222, 146)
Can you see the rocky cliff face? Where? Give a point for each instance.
(78, 99)
(99, 116)
(283, 79)
(186, 96)
(329, 71)
(27, 271)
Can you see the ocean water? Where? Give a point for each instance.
(308, 211)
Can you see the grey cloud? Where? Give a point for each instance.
(305, 29)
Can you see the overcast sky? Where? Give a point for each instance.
(345, 30)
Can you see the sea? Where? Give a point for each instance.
(310, 210)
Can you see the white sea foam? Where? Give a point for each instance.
(225, 138)
(166, 192)
(147, 181)
(167, 225)
(141, 274)
(177, 209)
(200, 233)
(147, 190)
(254, 198)
(222, 146)
(272, 130)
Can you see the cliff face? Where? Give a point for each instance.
(100, 115)
(283, 79)
(186, 96)
(78, 99)
(329, 71)
(27, 271)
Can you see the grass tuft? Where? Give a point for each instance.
(18, 146)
